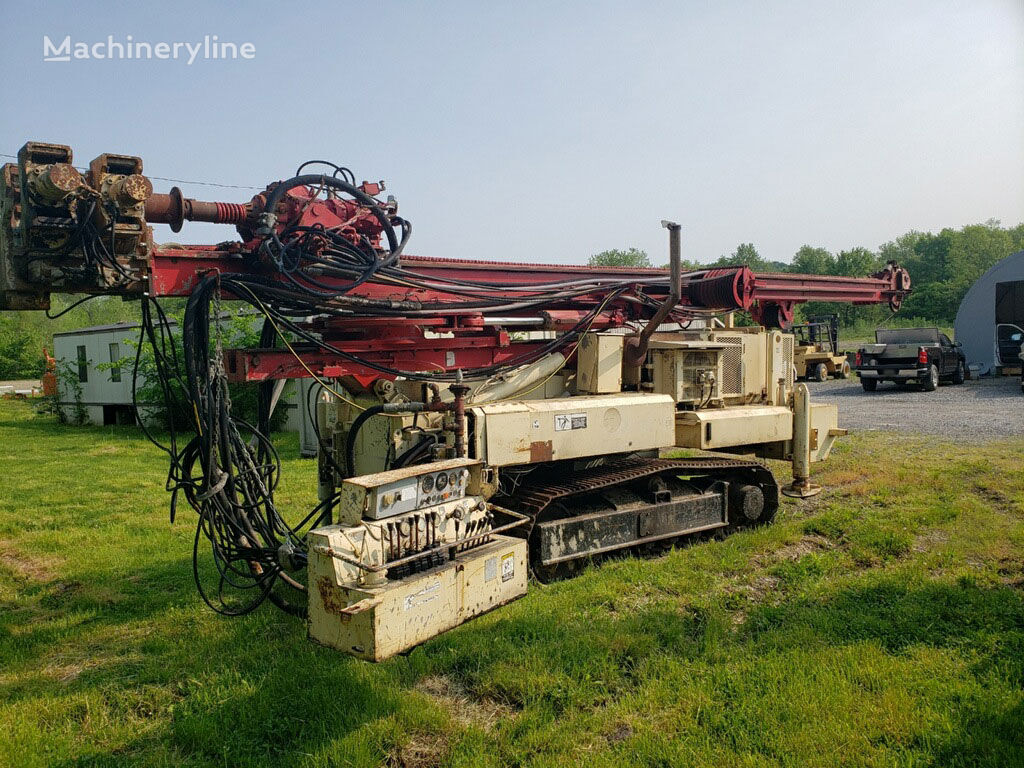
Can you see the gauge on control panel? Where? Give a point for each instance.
(442, 481)
(453, 479)
(428, 483)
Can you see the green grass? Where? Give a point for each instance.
(880, 624)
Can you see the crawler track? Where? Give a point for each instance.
(607, 500)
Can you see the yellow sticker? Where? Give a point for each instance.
(508, 566)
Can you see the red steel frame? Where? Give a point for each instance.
(465, 338)
(400, 343)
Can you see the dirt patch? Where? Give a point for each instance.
(22, 566)
(464, 708)
(929, 540)
(805, 546)
(798, 509)
(996, 498)
(1011, 572)
(620, 732)
(423, 750)
(765, 588)
(68, 673)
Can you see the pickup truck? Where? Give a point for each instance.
(902, 355)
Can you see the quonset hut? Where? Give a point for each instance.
(991, 314)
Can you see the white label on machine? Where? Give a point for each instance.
(567, 421)
(425, 595)
(508, 566)
(490, 568)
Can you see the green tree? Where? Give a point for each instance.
(745, 255)
(856, 262)
(31, 331)
(813, 261)
(631, 257)
(19, 355)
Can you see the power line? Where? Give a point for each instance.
(174, 181)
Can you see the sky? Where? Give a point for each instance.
(549, 131)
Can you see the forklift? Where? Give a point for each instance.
(816, 355)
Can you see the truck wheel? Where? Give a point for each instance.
(844, 370)
(960, 373)
(931, 382)
(821, 372)
(870, 385)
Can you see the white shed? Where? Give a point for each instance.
(85, 372)
(83, 358)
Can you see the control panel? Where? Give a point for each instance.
(417, 492)
(399, 491)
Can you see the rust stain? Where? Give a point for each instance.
(541, 450)
(333, 601)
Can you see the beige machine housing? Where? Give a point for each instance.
(749, 409)
(532, 431)
(378, 586)
(690, 371)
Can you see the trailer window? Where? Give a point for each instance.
(115, 355)
(83, 365)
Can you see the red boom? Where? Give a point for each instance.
(474, 338)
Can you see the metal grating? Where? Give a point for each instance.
(787, 359)
(732, 365)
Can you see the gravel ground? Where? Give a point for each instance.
(979, 409)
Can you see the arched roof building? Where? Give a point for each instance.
(996, 298)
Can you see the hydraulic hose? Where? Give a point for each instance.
(330, 181)
(362, 418)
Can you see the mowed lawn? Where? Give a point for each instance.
(880, 624)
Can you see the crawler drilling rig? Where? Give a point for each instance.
(478, 420)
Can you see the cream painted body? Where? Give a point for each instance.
(528, 432)
(725, 390)
(730, 427)
(599, 364)
(377, 622)
(362, 598)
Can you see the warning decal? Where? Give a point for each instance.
(567, 421)
(508, 566)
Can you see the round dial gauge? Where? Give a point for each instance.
(442, 481)
(428, 484)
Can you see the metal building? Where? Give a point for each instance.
(88, 374)
(991, 315)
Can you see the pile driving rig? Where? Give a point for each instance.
(477, 419)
